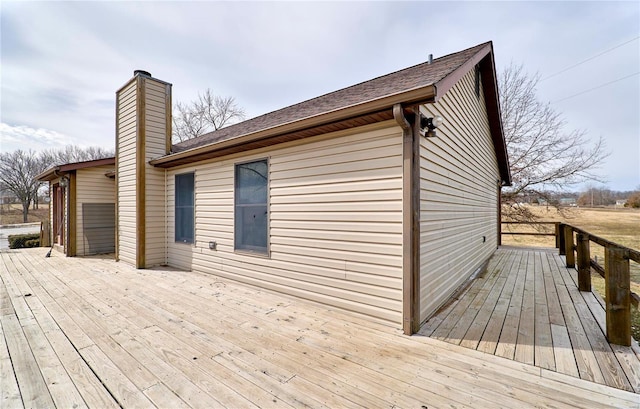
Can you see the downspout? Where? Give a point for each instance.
(166, 220)
(410, 220)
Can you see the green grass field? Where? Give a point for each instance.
(619, 225)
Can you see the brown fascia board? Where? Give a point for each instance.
(423, 94)
(57, 171)
(484, 57)
(445, 84)
(48, 174)
(492, 102)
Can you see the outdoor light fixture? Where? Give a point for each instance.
(428, 125)
(64, 181)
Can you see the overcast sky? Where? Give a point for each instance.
(61, 62)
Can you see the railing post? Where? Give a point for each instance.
(570, 255)
(557, 225)
(618, 295)
(561, 238)
(584, 262)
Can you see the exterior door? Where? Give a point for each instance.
(58, 214)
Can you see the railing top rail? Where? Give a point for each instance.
(529, 222)
(633, 254)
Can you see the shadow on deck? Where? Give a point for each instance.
(527, 308)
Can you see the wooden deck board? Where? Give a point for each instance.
(163, 338)
(607, 360)
(9, 391)
(548, 323)
(544, 354)
(509, 336)
(495, 325)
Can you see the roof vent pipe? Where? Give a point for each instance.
(142, 72)
(430, 58)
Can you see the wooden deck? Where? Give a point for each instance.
(527, 308)
(95, 333)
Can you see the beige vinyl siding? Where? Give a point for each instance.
(126, 173)
(155, 146)
(458, 195)
(92, 186)
(335, 222)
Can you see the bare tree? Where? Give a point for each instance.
(208, 113)
(596, 196)
(634, 200)
(543, 156)
(18, 169)
(17, 174)
(72, 154)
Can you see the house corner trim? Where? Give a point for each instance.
(140, 172)
(410, 219)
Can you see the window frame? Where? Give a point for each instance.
(253, 250)
(184, 240)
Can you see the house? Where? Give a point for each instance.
(82, 210)
(380, 199)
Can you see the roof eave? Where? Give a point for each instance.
(59, 170)
(417, 95)
(446, 83)
(492, 102)
(49, 174)
(485, 58)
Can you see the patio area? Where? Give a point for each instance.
(90, 332)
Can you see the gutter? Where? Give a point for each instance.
(418, 95)
(410, 218)
(49, 174)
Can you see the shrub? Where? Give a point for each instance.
(633, 200)
(32, 243)
(19, 241)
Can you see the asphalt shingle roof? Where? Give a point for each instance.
(417, 76)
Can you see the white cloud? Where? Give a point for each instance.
(25, 138)
(63, 61)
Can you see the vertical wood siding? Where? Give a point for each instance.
(126, 165)
(155, 146)
(335, 222)
(458, 195)
(92, 186)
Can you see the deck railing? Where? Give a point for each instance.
(574, 244)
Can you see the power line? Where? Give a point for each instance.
(595, 88)
(589, 59)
